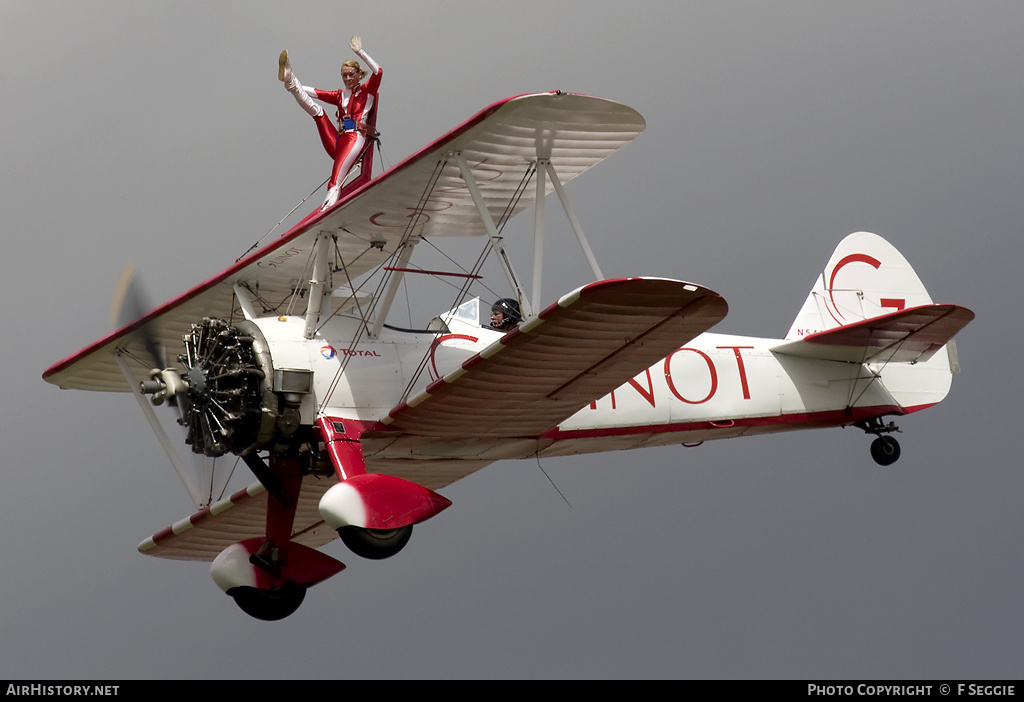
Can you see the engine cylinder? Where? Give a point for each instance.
(229, 406)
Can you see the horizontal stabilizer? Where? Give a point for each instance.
(906, 336)
(577, 350)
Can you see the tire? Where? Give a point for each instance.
(375, 544)
(885, 450)
(269, 605)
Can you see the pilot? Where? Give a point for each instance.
(505, 314)
(354, 103)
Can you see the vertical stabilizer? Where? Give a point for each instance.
(866, 277)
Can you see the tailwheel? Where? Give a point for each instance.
(269, 605)
(375, 544)
(885, 450)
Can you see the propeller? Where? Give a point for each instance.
(130, 303)
(182, 388)
(219, 392)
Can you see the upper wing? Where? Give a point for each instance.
(577, 350)
(424, 195)
(906, 336)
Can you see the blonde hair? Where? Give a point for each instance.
(352, 63)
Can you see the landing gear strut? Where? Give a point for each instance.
(884, 449)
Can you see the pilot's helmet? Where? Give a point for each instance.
(509, 308)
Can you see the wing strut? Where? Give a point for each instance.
(397, 275)
(598, 275)
(544, 168)
(244, 301)
(492, 232)
(316, 284)
(538, 230)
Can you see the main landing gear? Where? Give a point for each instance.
(268, 580)
(885, 449)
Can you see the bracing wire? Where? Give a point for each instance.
(406, 240)
(537, 456)
(274, 228)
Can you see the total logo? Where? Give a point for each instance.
(330, 352)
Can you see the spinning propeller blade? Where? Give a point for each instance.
(129, 304)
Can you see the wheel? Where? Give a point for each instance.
(269, 605)
(375, 543)
(885, 450)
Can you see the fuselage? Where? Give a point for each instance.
(716, 386)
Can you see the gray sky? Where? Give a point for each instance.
(158, 132)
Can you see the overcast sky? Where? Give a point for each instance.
(157, 132)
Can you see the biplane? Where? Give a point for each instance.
(352, 425)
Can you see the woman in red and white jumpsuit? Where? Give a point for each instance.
(345, 142)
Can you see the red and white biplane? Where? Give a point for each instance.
(351, 425)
